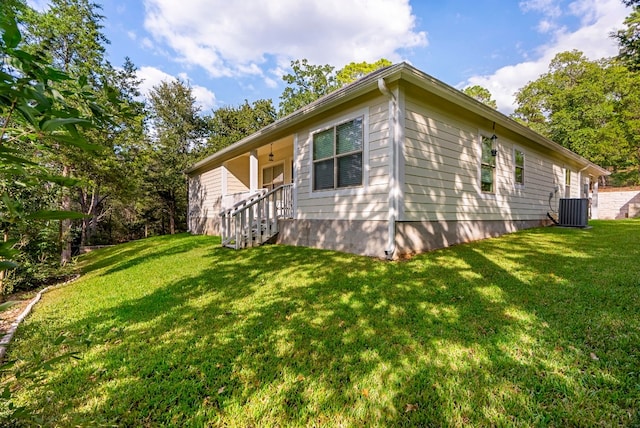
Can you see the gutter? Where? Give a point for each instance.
(394, 134)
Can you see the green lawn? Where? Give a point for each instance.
(539, 328)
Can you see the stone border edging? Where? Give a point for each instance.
(6, 339)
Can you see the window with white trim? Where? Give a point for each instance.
(337, 156)
(487, 166)
(567, 183)
(518, 160)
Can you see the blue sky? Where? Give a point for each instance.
(230, 51)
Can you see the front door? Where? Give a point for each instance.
(273, 176)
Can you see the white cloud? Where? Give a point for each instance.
(147, 43)
(549, 8)
(598, 18)
(152, 76)
(229, 38)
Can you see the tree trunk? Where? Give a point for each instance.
(3, 274)
(65, 225)
(172, 217)
(83, 206)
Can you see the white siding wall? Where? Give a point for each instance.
(234, 185)
(442, 175)
(369, 202)
(204, 198)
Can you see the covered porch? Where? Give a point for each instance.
(257, 171)
(257, 191)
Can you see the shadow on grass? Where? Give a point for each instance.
(534, 328)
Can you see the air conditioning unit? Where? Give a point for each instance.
(573, 212)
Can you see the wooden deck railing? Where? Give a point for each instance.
(255, 220)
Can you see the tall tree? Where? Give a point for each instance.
(309, 82)
(37, 122)
(357, 70)
(230, 124)
(306, 84)
(70, 35)
(586, 106)
(481, 94)
(179, 133)
(629, 39)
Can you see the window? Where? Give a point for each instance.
(519, 167)
(337, 156)
(488, 166)
(567, 183)
(273, 176)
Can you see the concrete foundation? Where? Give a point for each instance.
(204, 225)
(369, 238)
(418, 237)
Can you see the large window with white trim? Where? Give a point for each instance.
(488, 166)
(337, 156)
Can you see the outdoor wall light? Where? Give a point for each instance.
(494, 151)
(271, 153)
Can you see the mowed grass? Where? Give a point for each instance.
(537, 328)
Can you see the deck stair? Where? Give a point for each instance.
(254, 220)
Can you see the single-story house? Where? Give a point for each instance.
(392, 164)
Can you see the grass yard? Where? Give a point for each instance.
(537, 328)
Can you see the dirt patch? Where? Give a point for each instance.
(9, 316)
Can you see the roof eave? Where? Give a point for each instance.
(443, 90)
(261, 137)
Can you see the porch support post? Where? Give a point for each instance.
(594, 200)
(224, 178)
(253, 170)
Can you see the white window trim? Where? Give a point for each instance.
(478, 147)
(524, 168)
(564, 182)
(347, 191)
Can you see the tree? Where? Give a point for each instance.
(231, 124)
(481, 94)
(310, 82)
(590, 107)
(307, 83)
(179, 133)
(354, 71)
(37, 120)
(108, 175)
(69, 35)
(629, 39)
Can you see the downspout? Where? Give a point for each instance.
(393, 167)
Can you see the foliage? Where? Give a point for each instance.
(69, 34)
(354, 71)
(42, 110)
(481, 94)
(179, 134)
(523, 330)
(307, 83)
(230, 124)
(629, 40)
(590, 107)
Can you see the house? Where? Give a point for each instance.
(392, 164)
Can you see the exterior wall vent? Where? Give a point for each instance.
(573, 212)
